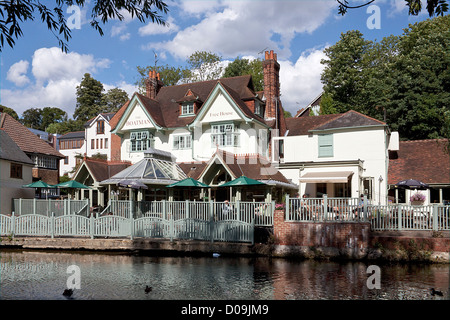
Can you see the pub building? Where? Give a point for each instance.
(215, 131)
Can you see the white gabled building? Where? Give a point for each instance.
(341, 155)
(191, 133)
(94, 140)
(71, 145)
(98, 135)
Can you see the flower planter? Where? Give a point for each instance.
(417, 203)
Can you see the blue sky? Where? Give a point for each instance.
(36, 74)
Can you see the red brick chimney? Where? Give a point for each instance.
(271, 70)
(153, 84)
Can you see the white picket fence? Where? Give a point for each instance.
(210, 221)
(381, 217)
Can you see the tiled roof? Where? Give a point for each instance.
(26, 140)
(350, 119)
(165, 109)
(314, 103)
(9, 150)
(107, 116)
(303, 125)
(250, 165)
(424, 160)
(192, 169)
(72, 135)
(102, 170)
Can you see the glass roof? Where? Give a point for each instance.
(156, 167)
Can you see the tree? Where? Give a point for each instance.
(403, 80)
(113, 100)
(89, 98)
(51, 115)
(40, 119)
(10, 111)
(14, 13)
(204, 66)
(32, 118)
(343, 73)
(65, 126)
(434, 7)
(240, 67)
(169, 75)
(420, 98)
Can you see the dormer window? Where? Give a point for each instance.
(259, 109)
(187, 109)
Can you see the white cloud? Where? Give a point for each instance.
(198, 8)
(56, 75)
(153, 29)
(246, 27)
(300, 81)
(53, 64)
(17, 73)
(127, 87)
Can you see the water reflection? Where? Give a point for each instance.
(42, 275)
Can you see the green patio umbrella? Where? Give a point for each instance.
(72, 184)
(38, 184)
(242, 181)
(188, 182)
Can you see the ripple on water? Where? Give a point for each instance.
(31, 276)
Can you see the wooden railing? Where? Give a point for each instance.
(210, 221)
(49, 206)
(381, 217)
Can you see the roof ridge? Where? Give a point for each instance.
(364, 115)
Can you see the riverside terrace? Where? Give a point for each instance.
(208, 221)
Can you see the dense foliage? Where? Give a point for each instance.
(403, 80)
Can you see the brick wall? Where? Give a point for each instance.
(354, 240)
(116, 144)
(47, 175)
(326, 234)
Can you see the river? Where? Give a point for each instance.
(39, 275)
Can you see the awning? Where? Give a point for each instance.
(326, 177)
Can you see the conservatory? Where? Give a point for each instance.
(146, 179)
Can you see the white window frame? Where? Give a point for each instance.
(182, 142)
(225, 135)
(326, 147)
(140, 140)
(187, 109)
